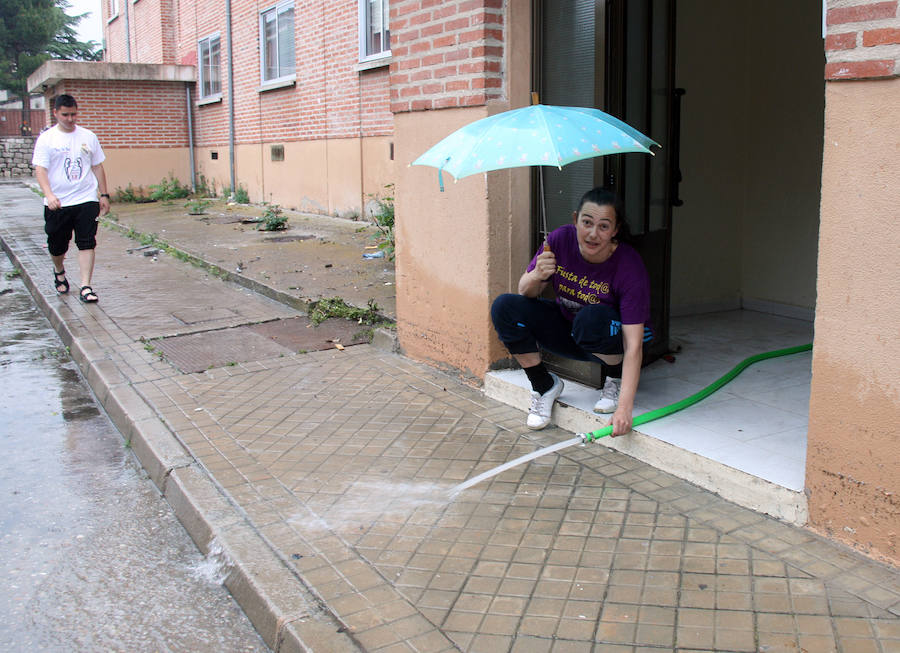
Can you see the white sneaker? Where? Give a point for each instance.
(542, 405)
(609, 396)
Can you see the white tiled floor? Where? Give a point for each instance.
(756, 423)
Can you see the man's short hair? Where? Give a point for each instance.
(64, 100)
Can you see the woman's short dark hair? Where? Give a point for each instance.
(605, 197)
(63, 100)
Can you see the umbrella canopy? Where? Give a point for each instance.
(537, 135)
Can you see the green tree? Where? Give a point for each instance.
(31, 32)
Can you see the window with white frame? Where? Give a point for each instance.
(209, 55)
(374, 34)
(277, 40)
(113, 7)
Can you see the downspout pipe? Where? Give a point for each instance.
(190, 129)
(230, 95)
(127, 32)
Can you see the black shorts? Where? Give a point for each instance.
(59, 225)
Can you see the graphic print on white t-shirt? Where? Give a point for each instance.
(69, 158)
(73, 170)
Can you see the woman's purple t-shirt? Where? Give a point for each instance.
(621, 281)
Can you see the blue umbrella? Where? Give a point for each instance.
(536, 135)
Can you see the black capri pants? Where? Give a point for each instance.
(525, 323)
(61, 223)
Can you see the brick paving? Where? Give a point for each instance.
(339, 464)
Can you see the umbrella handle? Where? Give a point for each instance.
(441, 173)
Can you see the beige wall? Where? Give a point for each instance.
(751, 142)
(782, 142)
(214, 170)
(712, 115)
(456, 250)
(853, 451)
(145, 166)
(442, 250)
(322, 176)
(459, 249)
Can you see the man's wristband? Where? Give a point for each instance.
(106, 195)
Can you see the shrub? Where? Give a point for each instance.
(132, 195)
(240, 196)
(336, 307)
(272, 219)
(197, 206)
(384, 220)
(204, 187)
(168, 189)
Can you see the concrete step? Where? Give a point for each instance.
(573, 413)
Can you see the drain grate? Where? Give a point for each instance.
(197, 352)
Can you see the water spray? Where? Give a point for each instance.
(583, 438)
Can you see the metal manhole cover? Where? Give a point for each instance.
(197, 315)
(288, 239)
(298, 334)
(197, 352)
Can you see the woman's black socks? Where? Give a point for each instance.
(540, 378)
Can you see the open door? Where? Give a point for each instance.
(615, 55)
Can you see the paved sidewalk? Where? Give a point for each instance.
(323, 479)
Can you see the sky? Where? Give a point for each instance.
(89, 29)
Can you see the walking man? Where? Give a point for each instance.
(68, 164)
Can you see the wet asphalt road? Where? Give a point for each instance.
(91, 557)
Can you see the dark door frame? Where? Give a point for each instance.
(610, 95)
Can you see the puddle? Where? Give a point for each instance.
(367, 502)
(91, 558)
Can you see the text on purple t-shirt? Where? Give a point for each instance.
(621, 281)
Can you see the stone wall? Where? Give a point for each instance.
(15, 156)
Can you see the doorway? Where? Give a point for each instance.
(616, 56)
(727, 213)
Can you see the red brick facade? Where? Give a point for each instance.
(329, 99)
(863, 40)
(117, 112)
(446, 54)
(151, 26)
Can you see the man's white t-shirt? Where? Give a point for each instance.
(68, 157)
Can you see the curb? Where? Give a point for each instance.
(287, 616)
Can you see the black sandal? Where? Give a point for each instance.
(87, 295)
(62, 286)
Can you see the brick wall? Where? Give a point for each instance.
(197, 20)
(152, 31)
(131, 114)
(446, 54)
(113, 33)
(330, 98)
(863, 39)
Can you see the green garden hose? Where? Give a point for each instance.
(697, 396)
